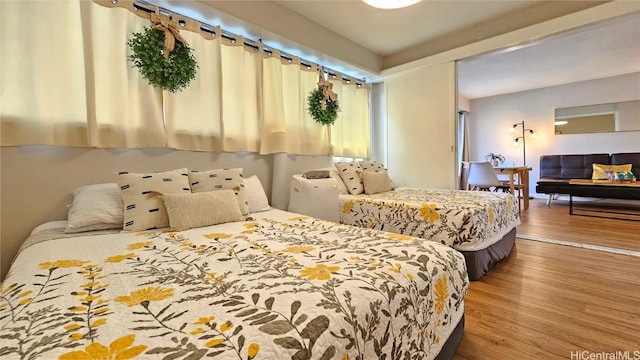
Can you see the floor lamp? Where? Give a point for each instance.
(524, 139)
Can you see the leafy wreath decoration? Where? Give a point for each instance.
(322, 103)
(322, 111)
(168, 69)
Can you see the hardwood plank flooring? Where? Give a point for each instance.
(546, 301)
(555, 222)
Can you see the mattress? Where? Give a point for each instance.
(463, 220)
(277, 285)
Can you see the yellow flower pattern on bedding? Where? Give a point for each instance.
(61, 264)
(145, 295)
(119, 349)
(319, 272)
(428, 212)
(298, 249)
(441, 294)
(297, 287)
(464, 220)
(400, 237)
(346, 208)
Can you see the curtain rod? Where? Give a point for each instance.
(150, 8)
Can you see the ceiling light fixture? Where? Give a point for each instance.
(390, 4)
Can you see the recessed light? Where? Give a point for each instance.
(390, 4)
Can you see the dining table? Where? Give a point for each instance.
(518, 175)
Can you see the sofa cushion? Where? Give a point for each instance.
(628, 158)
(550, 167)
(580, 166)
(552, 186)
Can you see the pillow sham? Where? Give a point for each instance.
(95, 207)
(220, 179)
(350, 174)
(191, 210)
(600, 170)
(256, 197)
(376, 182)
(141, 197)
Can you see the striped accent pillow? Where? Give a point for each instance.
(141, 195)
(221, 179)
(350, 174)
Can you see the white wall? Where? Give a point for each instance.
(421, 120)
(37, 181)
(491, 117)
(378, 124)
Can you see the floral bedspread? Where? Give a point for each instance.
(464, 220)
(276, 286)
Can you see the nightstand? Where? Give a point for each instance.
(314, 197)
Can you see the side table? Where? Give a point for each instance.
(314, 197)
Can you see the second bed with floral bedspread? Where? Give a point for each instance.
(464, 220)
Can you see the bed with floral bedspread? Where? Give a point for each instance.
(275, 286)
(468, 221)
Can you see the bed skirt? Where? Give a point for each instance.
(480, 261)
(450, 346)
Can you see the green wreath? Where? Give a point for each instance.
(174, 73)
(326, 116)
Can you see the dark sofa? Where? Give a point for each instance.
(557, 170)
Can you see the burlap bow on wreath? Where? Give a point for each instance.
(171, 32)
(161, 60)
(327, 91)
(322, 102)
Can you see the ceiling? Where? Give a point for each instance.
(598, 51)
(362, 41)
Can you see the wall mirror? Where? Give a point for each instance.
(600, 118)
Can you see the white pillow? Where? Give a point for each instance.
(220, 179)
(350, 174)
(191, 210)
(376, 182)
(256, 196)
(95, 207)
(141, 195)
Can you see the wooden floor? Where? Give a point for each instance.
(546, 301)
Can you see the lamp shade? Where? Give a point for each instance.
(390, 4)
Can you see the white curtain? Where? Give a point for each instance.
(193, 117)
(122, 109)
(43, 86)
(351, 133)
(287, 127)
(66, 80)
(463, 149)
